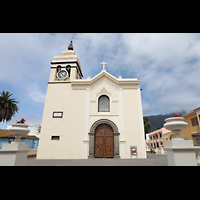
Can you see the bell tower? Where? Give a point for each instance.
(66, 68)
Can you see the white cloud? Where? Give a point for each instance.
(31, 120)
(147, 108)
(168, 65)
(36, 95)
(178, 101)
(94, 48)
(25, 61)
(161, 48)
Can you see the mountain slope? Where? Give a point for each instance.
(157, 121)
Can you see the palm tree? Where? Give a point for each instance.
(147, 124)
(8, 106)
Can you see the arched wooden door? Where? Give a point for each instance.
(104, 142)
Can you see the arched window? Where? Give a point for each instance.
(104, 104)
(68, 68)
(58, 68)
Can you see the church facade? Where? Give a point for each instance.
(99, 117)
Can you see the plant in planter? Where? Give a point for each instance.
(19, 129)
(22, 121)
(175, 124)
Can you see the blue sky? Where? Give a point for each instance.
(167, 65)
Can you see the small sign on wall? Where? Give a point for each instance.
(57, 114)
(133, 150)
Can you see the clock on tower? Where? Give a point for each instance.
(65, 68)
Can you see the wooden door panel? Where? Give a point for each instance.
(99, 146)
(108, 131)
(99, 131)
(104, 142)
(109, 146)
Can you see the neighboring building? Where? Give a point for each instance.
(192, 132)
(34, 130)
(87, 118)
(155, 138)
(168, 135)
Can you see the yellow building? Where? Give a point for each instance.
(4, 133)
(168, 135)
(192, 132)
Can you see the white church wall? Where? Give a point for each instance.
(76, 100)
(107, 90)
(134, 132)
(70, 127)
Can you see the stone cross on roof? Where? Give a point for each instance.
(104, 63)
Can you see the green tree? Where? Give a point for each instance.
(38, 130)
(8, 106)
(147, 125)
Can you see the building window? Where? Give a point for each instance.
(195, 121)
(55, 137)
(11, 140)
(104, 104)
(197, 140)
(58, 68)
(68, 68)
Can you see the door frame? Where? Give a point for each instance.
(92, 135)
(104, 134)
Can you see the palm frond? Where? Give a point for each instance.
(8, 106)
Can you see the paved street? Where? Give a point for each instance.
(152, 160)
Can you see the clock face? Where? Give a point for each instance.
(62, 74)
